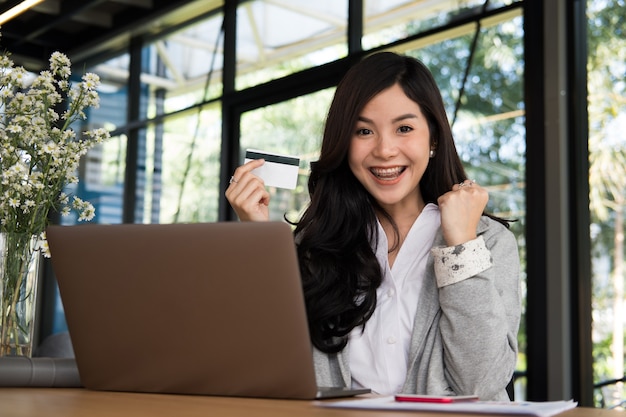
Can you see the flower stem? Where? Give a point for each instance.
(17, 254)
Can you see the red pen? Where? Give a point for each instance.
(434, 398)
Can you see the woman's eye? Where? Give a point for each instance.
(363, 132)
(405, 129)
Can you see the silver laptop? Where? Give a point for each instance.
(209, 309)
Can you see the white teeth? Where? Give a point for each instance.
(387, 173)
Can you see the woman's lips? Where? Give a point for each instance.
(387, 174)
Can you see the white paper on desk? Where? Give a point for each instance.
(278, 170)
(537, 409)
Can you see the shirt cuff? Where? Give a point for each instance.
(457, 263)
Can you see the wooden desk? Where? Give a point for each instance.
(64, 402)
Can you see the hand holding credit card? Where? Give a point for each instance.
(278, 170)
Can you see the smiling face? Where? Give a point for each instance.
(389, 150)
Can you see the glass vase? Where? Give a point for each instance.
(19, 266)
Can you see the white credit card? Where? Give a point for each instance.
(278, 170)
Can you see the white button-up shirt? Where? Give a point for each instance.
(379, 354)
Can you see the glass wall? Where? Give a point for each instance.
(388, 21)
(278, 38)
(178, 133)
(181, 73)
(607, 182)
(292, 127)
(190, 155)
(185, 68)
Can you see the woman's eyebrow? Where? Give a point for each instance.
(404, 117)
(395, 120)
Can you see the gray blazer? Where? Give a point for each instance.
(465, 334)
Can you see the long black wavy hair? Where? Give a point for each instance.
(339, 269)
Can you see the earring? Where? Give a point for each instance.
(432, 153)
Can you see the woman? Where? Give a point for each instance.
(410, 287)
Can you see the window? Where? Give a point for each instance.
(388, 21)
(607, 183)
(189, 175)
(185, 68)
(292, 127)
(280, 37)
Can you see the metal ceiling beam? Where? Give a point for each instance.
(146, 4)
(69, 9)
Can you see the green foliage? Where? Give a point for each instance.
(607, 175)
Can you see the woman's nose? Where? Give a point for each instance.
(385, 146)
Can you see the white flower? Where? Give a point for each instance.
(18, 77)
(5, 62)
(86, 211)
(50, 148)
(27, 206)
(39, 149)
(43, 245)
(91, 81)
(14, 128)
(87, 214)
(60, 65)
